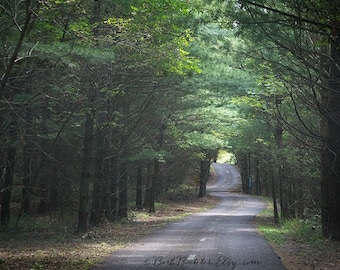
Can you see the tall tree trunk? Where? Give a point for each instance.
(123, 191)
(250, 177)
(156, 169)
(86, 175)
(154, 182)
(299, 203)
(139, 188)
(7, 187)
(276, 213)
(330, 163)
(44, 184)
(283, 186)
(26, 180)
(242, 162)
(148, 185)
(98, 194)
(258, 181)
(204, 177)
(113, 191)
(106, 185)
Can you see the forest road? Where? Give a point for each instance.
(221, 238)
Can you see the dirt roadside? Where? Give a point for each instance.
(297, 255)
(49, 249)
(41, 250)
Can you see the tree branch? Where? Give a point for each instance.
(17, 48)
(289, 15)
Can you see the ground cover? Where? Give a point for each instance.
(50, 246)
(299, 242)
(47, 244)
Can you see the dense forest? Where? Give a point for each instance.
(110, 105)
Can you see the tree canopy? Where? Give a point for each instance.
(104, 103)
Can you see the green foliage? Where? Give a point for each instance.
(272, 234)
(74, 56)
(136, 66)
(182, 192)
(37, 266)
(205, 114)
(148, 153)
(46, 227)
(307, 230)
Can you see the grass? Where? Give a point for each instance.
(305, 230)
(299, 242)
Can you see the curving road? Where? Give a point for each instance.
(221, 238)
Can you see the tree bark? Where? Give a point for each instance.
(123, 191)
(139, 189)
(283, 186)
(98, 194)
(276, 213)
(204, 177)
(113, 190)
(86, 175)
(7, 190)
(148, 185)
(242, 162)
(151, 205)
(330, 163)
(26, 180)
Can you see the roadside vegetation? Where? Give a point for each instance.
(45, 243)
(299, 242)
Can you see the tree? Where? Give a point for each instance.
(208, 112)
(87, 56)
(304, 35)
(16, 21)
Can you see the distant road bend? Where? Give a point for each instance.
(221, 238)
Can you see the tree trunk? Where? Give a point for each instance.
(258, 181)
(151, 205)
(299, 203)
(106, 185)
(242, 162)
(26, 181)
(276, 213)
(330, 161)
(123, 191)
(283, 186)
(44, 185)
(204, 177)
(7, 188)
(285, 213)
(139, 189)
(113, 191)
(148, 185)
(86, 175)
(98, 194)
(156, 169)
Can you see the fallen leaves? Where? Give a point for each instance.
(71, 251)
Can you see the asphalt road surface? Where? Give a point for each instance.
(221, 238)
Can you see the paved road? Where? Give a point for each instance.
(221, 238)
